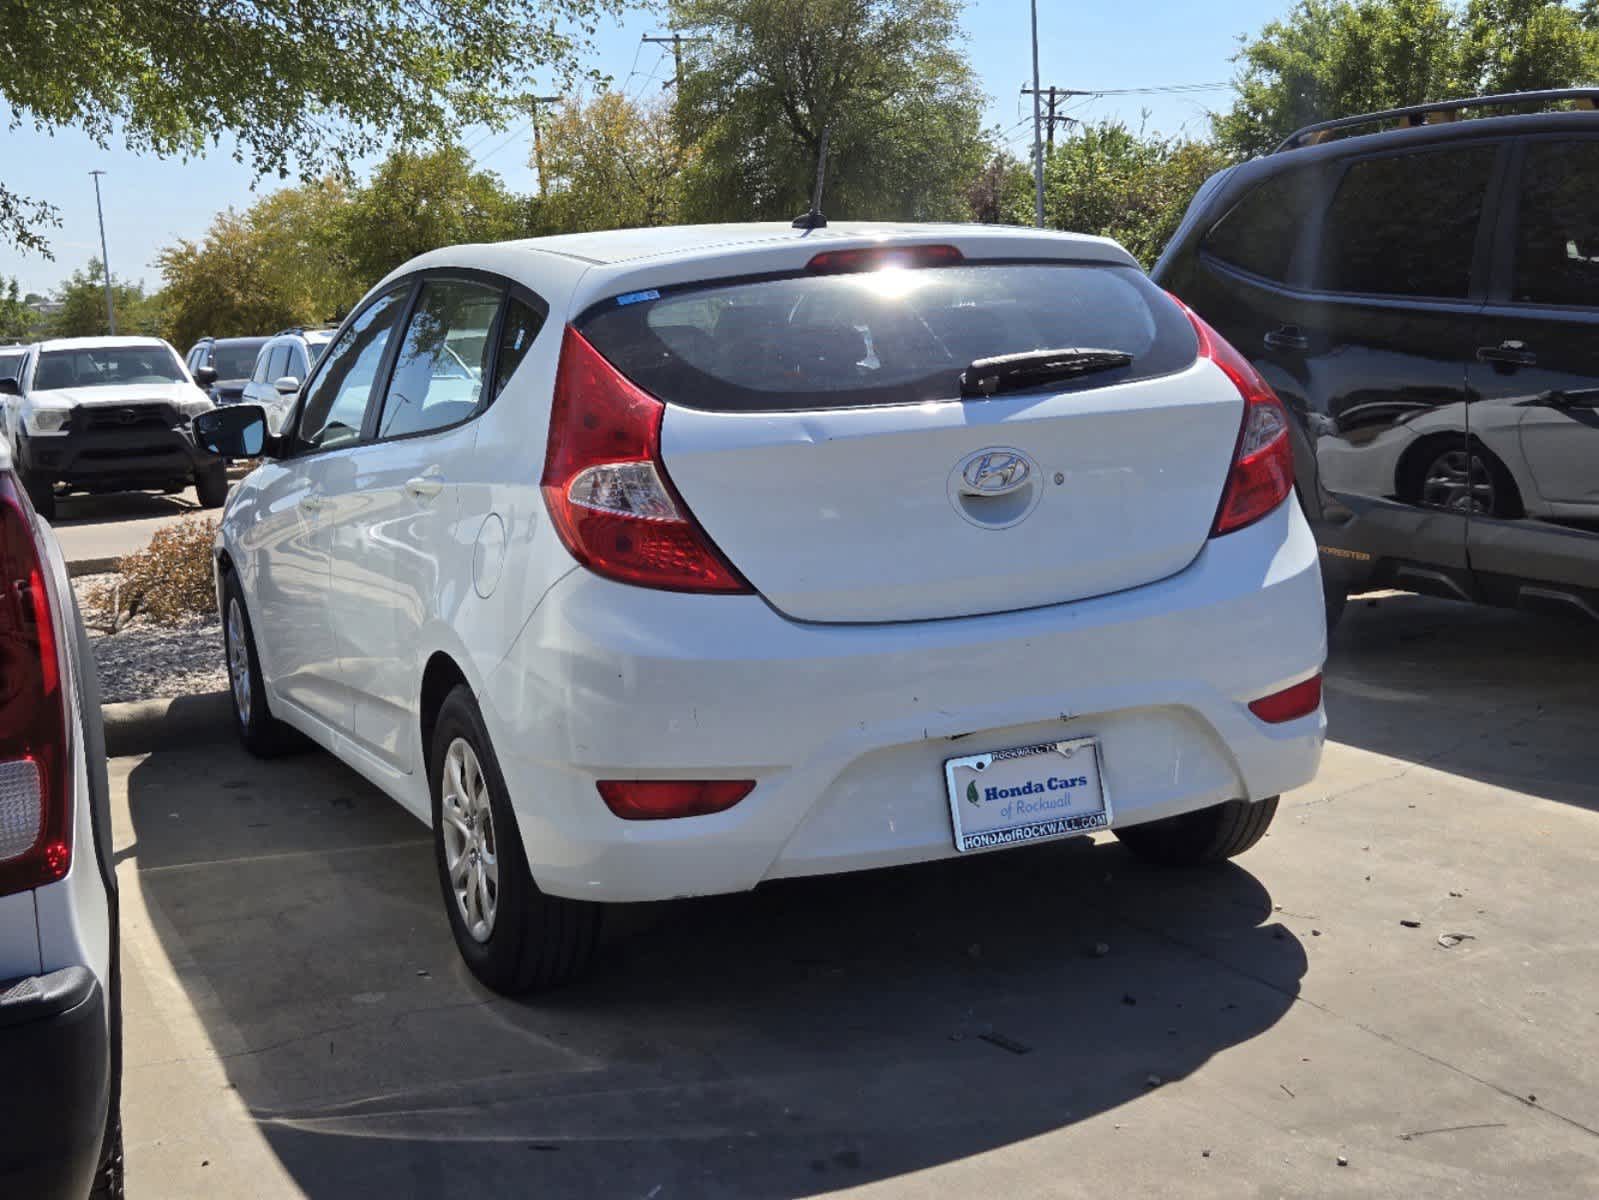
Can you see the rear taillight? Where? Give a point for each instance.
(1262, 473)
(1289, 704)
(607, 491)
(663, 799)
(35, 784)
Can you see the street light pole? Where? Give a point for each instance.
(105, 258)
(1038, 135)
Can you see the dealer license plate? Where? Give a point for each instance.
(1027, 794)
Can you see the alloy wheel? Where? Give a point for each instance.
(1460, 482)
(471, 851)
(238, 661)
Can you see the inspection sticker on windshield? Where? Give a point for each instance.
(1029, 794)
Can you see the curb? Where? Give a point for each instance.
(140, 726)
(93, 566)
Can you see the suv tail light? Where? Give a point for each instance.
(35, 784)
(1262, 473)
(607, 491)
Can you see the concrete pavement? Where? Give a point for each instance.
(299, 1023)
(109, 527)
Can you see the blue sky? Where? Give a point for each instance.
(149, 202)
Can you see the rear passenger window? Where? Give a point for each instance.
(1406, 224)
(1557, 234)
(1260, 232)
(521, 326)
(438, 377)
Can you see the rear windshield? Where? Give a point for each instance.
(235, 360)
(102, 366)
(882, 337)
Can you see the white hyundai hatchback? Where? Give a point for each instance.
(666, 562)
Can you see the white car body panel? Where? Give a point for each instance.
(844, 726)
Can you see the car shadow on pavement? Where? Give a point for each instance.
(1503, 697)
(808, 1037)
(112, 507)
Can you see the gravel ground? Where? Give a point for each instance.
(145, 661)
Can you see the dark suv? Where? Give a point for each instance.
(1425, 300)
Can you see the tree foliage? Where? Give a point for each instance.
(82, 312)
(1115, 182)
(308, 82)
(612, 163)
(280, 263)
(887, 79)
(1332, 58)
(16, 318)
(419, 200)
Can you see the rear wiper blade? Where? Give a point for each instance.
(1030, 368)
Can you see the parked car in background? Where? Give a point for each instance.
(1425, 300)
(223, 365)
(104, 415)
(60, 993)
(11, 360)
(281, 366)
(662, 562)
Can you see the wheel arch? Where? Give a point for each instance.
(440, 677)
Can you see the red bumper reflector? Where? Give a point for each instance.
(660, 799)
(1298, 701)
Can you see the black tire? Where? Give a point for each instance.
(108, 1180)
(262, 734)
(42, 493)
(1336, 601)
(211, 485)
(533, 941)
(1205, 836)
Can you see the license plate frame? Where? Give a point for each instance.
(1068, 820)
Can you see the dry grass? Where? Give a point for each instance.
(169, 581)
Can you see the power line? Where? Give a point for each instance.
(1167, 89)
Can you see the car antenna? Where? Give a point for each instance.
(814, 219)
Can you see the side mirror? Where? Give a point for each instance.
(10, 387)
(287, 384)
(205, 376)
(237, 431)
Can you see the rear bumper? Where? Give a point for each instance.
(107, 458)
(845, 728)
(55, 1045)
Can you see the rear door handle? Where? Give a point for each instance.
(426, 485)
(1287, 338)
(1508, 354)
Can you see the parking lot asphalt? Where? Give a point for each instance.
(95, 528)
(298, 1022)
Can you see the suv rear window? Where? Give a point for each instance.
(1260, 232)
(881, 337)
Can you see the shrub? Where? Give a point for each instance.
(170, 580)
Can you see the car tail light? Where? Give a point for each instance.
(35, 784)
(877, 258)
(1289, 704)
(1262, 473)
(607, 491)
(662, 799)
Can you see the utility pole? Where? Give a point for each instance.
(1038, 140)
(538, 143)
(105, 258)
(1055, 94)
(676, 40)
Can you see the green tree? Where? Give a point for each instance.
(1112, 181)
(1332, 58)
(281, 262)
(612, 163)
(16, 318)
(420, 200)
(82, 314)
(885, 78)
(307, 82)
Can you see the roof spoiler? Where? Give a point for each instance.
(1437, 113)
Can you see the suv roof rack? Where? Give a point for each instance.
(1437, 113)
